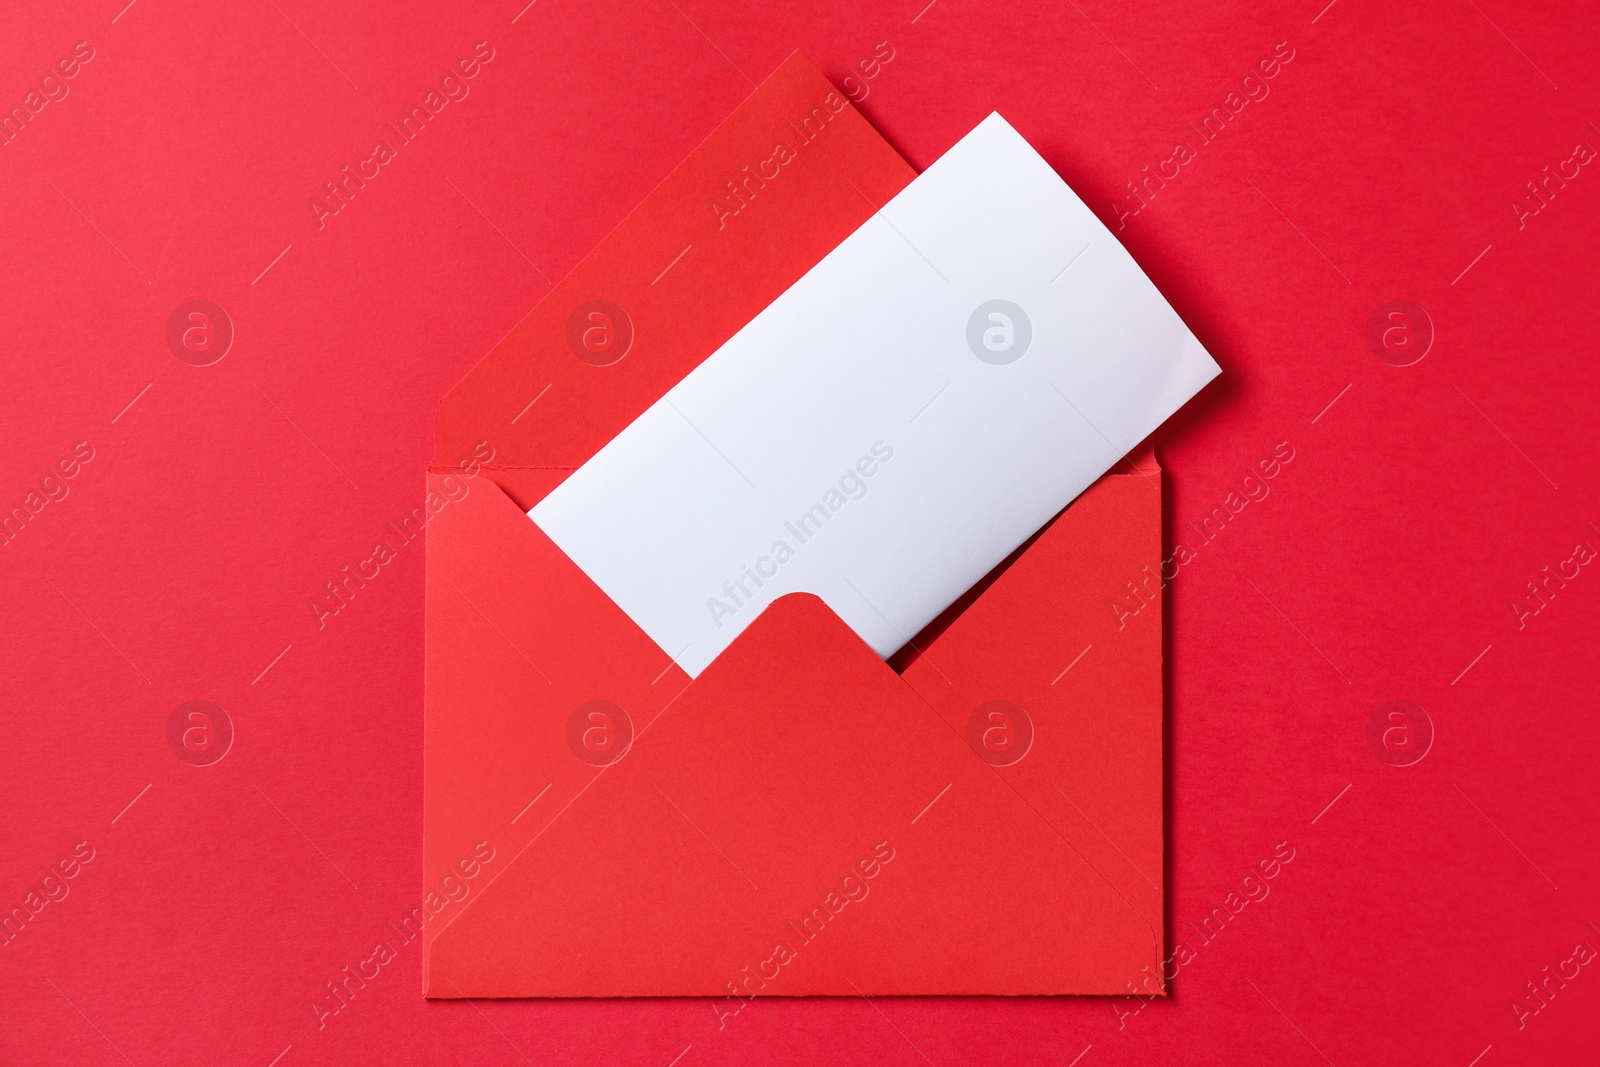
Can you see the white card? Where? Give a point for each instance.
(897, 423)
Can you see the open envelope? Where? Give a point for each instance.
(982, 815)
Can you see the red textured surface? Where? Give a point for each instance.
(1382, 565)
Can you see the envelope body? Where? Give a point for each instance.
(981, 815)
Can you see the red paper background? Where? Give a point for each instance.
(1382, 566)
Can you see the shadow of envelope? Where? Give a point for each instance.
(802, 818)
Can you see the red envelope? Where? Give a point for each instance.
(982, 815)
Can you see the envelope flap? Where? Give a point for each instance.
(517, 639)
(1058, 662)
(800, 815)
(792, 172)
